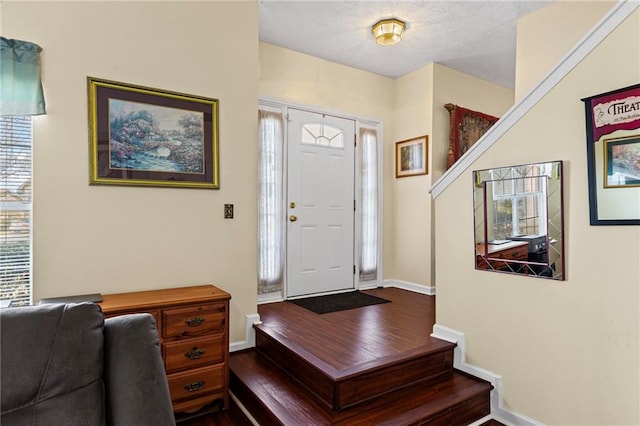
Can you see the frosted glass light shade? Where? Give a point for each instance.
(388, 31)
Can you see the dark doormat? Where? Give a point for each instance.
(338, 302)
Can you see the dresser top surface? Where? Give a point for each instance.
(163, 297)
(494, 248)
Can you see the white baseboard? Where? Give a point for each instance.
(498, 412)
(481, 421)
(249, 321)
(270, 297)
(405, 285)
(367, 285)
(243, 409)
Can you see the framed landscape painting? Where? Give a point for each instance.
(411, 157)
(141, 136)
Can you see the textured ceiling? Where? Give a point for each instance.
(474, 37)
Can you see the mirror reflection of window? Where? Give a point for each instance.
(518, 207)
(518, 220)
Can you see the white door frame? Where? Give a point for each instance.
(283, 107)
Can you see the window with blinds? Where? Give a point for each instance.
(15, 210)
(519, 206)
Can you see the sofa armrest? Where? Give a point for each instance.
(137, 392)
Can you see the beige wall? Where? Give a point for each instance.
(113, 239)
(408, 258)
(418, 110)
(546, 36)
(567, 351)
(307, 80)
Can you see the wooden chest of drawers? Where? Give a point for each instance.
(515, 251)
(193, 326)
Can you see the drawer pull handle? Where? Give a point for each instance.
(194, 386)
(195, 353)
(194, 321)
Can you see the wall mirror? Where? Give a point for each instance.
(518, 220)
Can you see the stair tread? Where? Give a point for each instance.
(279, 397)
(290, 404)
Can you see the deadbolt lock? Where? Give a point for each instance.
(293, 218)
(292, 205)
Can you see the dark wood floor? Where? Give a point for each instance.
(346, 342)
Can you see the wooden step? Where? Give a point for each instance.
(339, 387)
(270, 395)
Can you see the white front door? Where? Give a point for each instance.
(320, 203)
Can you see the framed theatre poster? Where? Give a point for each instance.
(411, 157)
(613, 156)
(141, 136)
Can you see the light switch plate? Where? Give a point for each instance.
(228, 211)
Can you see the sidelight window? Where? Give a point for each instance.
(270, 227)
(369, 204)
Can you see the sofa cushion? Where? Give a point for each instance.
(51, 365)
(137, 392)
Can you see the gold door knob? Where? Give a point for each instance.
(293, 218)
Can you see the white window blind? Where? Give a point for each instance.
(15, 210)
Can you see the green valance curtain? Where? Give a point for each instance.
(20, 86)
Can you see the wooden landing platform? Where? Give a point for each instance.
(374, 365)
(348, 342)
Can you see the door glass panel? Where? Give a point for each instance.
(322, 134)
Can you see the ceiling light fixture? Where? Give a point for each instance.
(388, 31)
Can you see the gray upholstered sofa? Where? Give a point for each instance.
(63, 364)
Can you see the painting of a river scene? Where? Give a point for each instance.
(155, 138)
(141, 136)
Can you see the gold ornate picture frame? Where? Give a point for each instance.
(412, 157)
(140, 136)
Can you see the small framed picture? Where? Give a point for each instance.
(411, 157)
(622, 162)
(141, 136)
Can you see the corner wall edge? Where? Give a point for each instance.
(250, 333)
